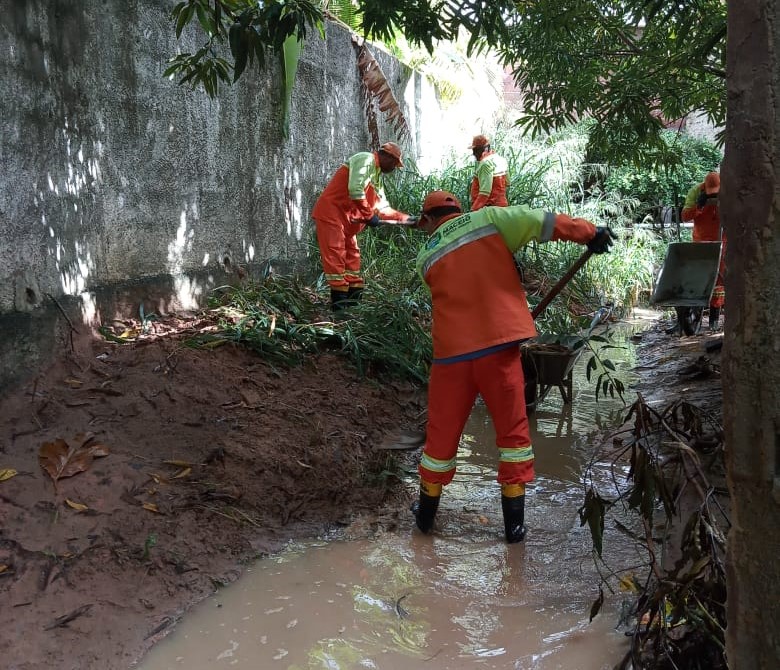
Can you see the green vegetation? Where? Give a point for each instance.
(553, 174)
(287, 319)
(659, 185)
(629, 64)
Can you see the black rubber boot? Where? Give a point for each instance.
(714, 318)
(338, 300)
(355, 294)
(424, 509)
(514, 518)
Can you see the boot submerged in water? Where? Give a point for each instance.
(424, 509)
(513, 508)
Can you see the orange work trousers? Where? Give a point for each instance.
(339, 251)
(452, 390)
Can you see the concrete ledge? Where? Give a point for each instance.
(30, 340)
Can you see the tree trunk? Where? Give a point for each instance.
(751, 371)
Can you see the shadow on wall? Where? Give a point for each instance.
(32, 338)
(88, 228)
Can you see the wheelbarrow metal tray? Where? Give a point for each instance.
(688, 275)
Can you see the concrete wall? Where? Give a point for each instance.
(697, 125)
(115, 178)
(113, 173)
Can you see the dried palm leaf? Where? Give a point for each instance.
(375, 88)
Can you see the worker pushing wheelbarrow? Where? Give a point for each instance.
(691, 278)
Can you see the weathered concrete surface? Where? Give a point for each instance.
(113, 174)
(751, 383)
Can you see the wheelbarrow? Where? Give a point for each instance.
(414, 439)
(686, 281)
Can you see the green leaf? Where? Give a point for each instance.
(291, 53)
(590, 367)
(185, 16)
(595, 608)
(241, 53)
(592, 512)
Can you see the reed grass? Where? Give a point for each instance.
(287, 319)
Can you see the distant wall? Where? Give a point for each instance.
(697, 125)
(112, 173)
(116, 177)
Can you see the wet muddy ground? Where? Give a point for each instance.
(257, 457)
(213, 458)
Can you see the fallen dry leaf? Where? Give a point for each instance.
(7, 473)
(151, 507)
(79, 507)
(181, 464)
(73, 382)
(3, 568)
(62, 459)
(184, 473)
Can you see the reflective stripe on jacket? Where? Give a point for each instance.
(488, 188)
(478, 300)
(355, 192)
(352, 192)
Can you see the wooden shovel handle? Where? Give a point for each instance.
(555, 290)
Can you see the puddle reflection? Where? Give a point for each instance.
(461, 598)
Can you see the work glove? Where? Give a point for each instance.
(373, 221)
(701, 201)
(602, 240)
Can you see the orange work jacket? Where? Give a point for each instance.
(355, 193)
(706, 220)
(477, 297)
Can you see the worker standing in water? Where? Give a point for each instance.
(488, 187)
(701, 207)
(480, 314)
(353, 199)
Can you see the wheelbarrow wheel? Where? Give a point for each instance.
(689, 319)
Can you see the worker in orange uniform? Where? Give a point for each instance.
(480, 314)
(701, 207)
(353, 199)
(488, 188)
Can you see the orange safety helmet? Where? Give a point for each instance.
(712, 183)
(479, 142)
(436, 199)
(393, 150)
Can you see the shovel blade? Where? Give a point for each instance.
(405, 439)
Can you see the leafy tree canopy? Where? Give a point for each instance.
(631, 65)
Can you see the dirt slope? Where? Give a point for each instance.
(95, 568)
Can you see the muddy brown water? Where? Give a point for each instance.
(460, 598)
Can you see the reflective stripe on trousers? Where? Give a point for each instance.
(339, 253)
(452, 390)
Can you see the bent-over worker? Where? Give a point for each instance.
(480, 314)
(353, 199)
